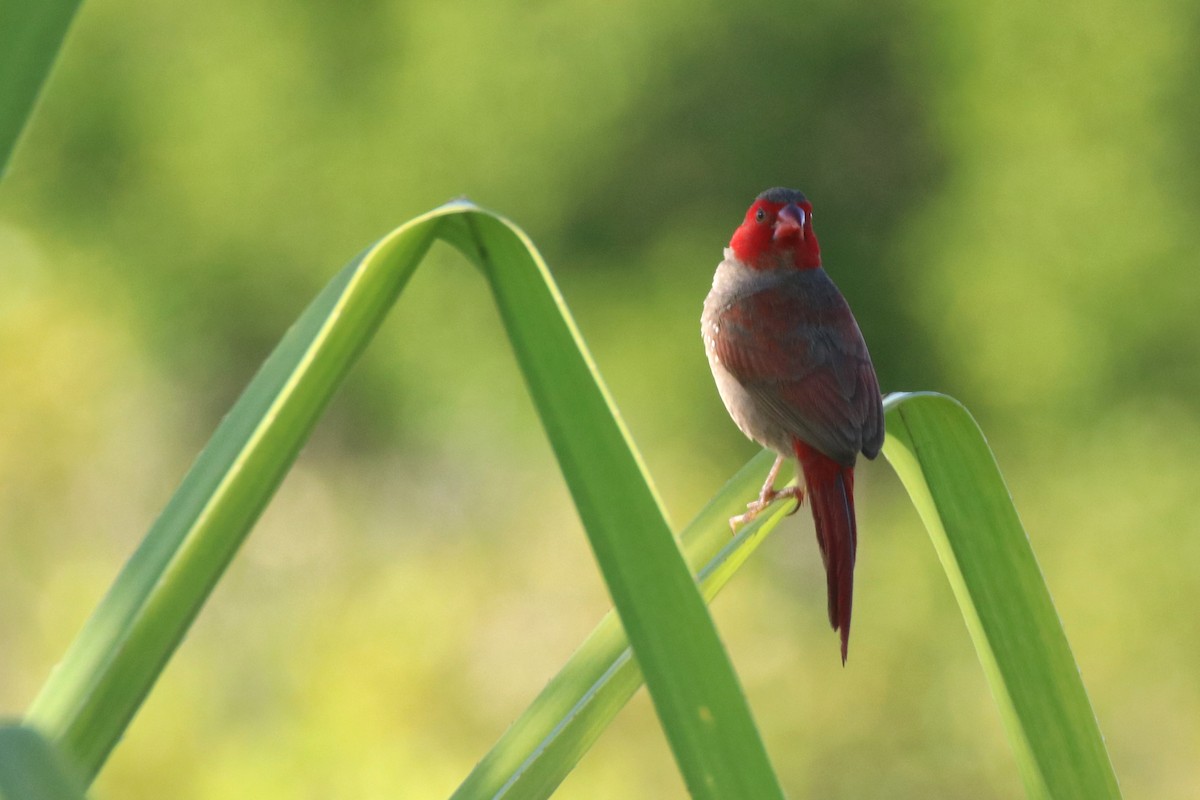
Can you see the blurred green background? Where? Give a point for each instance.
(1007, 193)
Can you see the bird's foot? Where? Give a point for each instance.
(768, 496)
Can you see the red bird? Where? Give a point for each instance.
(794, 372)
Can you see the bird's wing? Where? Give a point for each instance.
(804, 361)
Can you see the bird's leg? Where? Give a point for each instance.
(767, 496)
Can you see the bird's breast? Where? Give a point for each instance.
(733, 282)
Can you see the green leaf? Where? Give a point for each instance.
(539, 750)
(31, 769)
(688, 673)
(31, 32)
(945, 464)
(988, 561)
(91, 697)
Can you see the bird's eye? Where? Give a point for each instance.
(760, 216)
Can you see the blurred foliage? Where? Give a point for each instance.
(1005, 192)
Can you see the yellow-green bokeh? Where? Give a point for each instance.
(1006, 192)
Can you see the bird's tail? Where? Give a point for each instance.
(831, 495)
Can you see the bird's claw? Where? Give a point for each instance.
(768, 496)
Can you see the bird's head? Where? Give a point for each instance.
(777, 232)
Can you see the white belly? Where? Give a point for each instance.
(732, 280)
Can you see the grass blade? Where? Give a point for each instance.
(31, 769)
(90, 698)
(691, 681)
(945, 464)
(31, 33)
(542, 746)
(93, 694)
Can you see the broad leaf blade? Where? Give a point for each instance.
(688, 673)
(543, 745)
(90, 698)
(945, 464)
(31, 32)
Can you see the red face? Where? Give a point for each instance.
(777, 234)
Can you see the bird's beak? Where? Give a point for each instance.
(790, 223)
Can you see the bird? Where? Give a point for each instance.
(793, 370)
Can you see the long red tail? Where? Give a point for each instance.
(831, 496)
